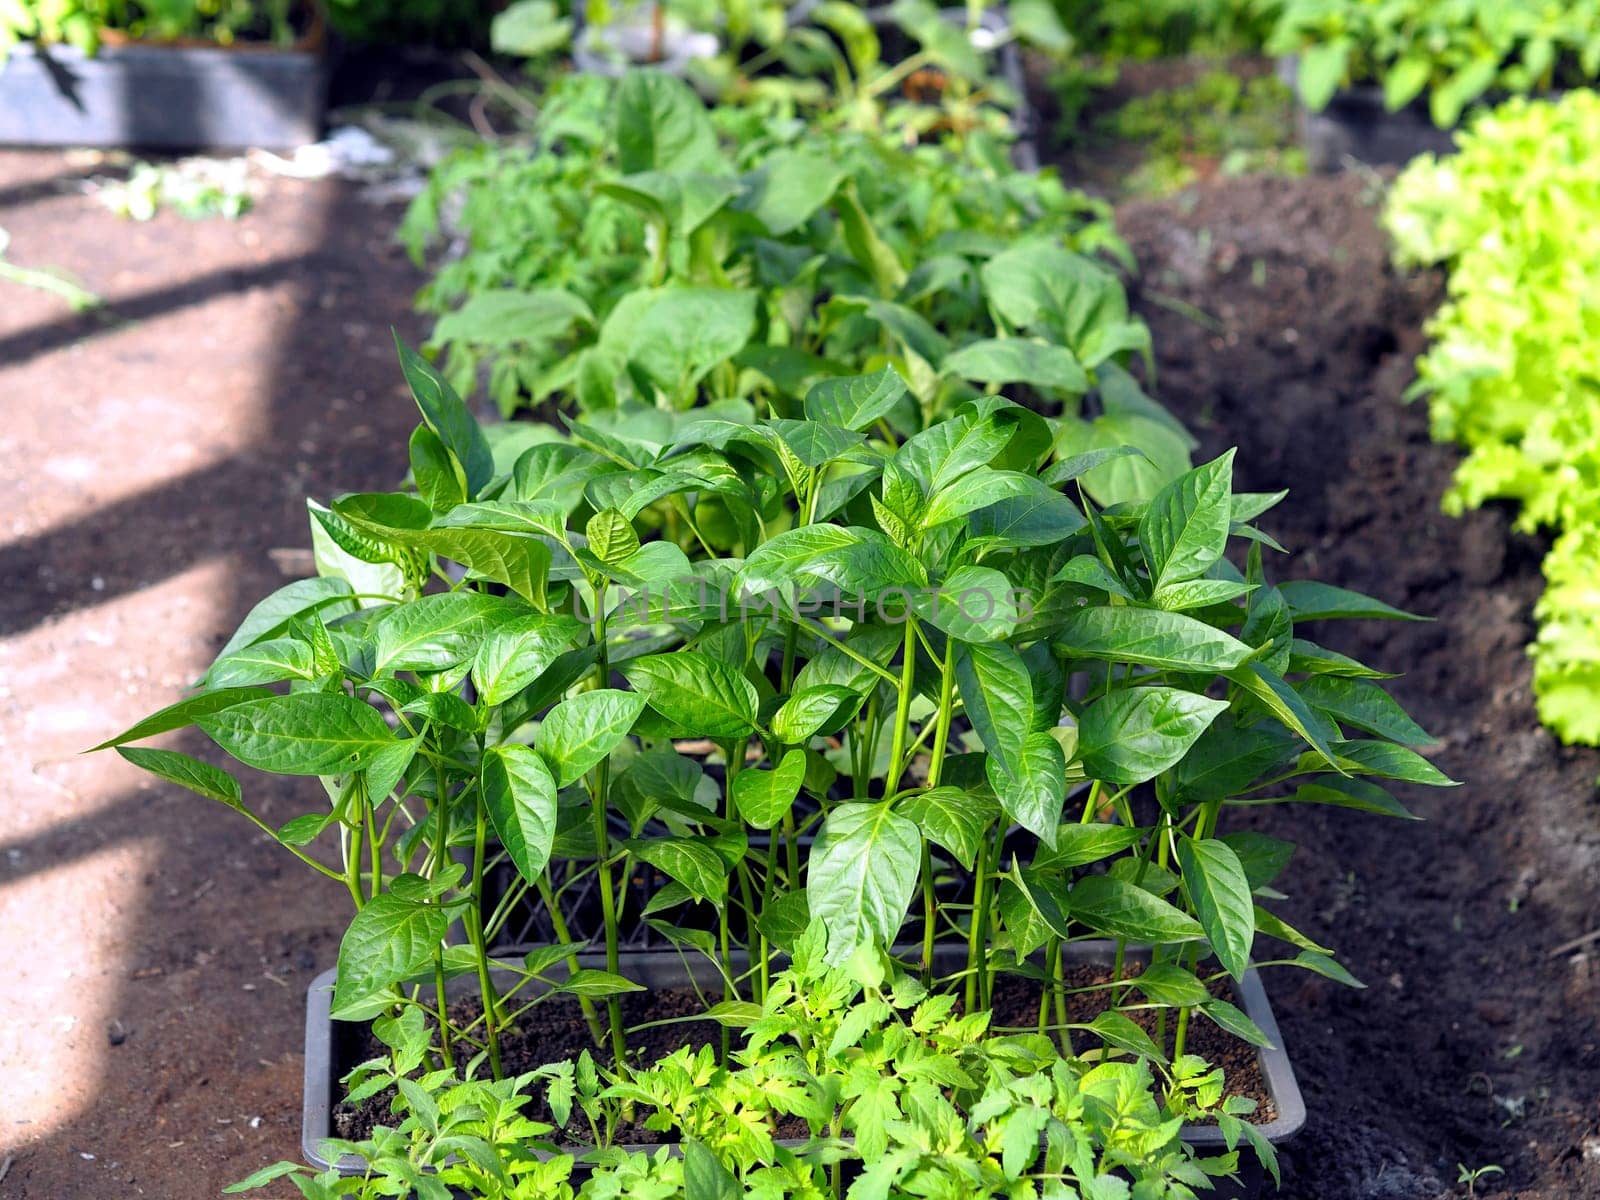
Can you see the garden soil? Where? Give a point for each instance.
(156, 459)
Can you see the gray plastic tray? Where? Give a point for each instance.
(324, 1065)
(162, 97)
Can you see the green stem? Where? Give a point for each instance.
(558, 926)
(602, 845)
(474, 923)
(902, 709)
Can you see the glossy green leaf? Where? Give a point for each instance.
(185, 712)
(1121, 910)
(577, 734)
(513, 655)
(1148, 638)
(695, 864)
(951, 817)
(1313, 601)
(1080, 845)
(1136, 733)
(1220, 894)
(696, 692)
(303, 733)
(998, 698)
(449, 418)
(813, 710)
(763, 797)
(1351, 793)
(862, 875)
(1020, 360)
(1365, 705)
(1184, 529)
(211, 782)
(1033, 791)
(392, 938)
(973, 604)
(520, 794)
(855, 401)
(661, 125)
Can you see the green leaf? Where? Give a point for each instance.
(513, 655)
(448, 417)
(1322, 69)
(577, 734)
(1236, 1023)
(675, 335)
(184, 712)
(611, 536)
(437, 474)
(977, 489)
(1148, 638)
(1351, 793)
(1312, 601)
(789, 187)
(1199, 593)
(268, 661)
(762, 797)
(596, 985)
(697, 693)
(816, 443)
(974, 604)
(1136, 733)
(529, 29)
(271, 616)
(393, 937)
(813, 710)
(263, 1177)
(437, 632)
(1037, 517)
(1228, 758)
(1171, 985)
(695, 864)
(862, 876)
(520, 794)
(1111, 906)
(856, 401)
(1020, 360)
(998, 698)
(303, 733)
(786, 557)
(1032, 793)
(1284, 702)
(1365, 705)
(1326, 966)
(944, 452)
(1220, 894)
(1389, 761)
(1118, 1030)
(704, 1178)
(1185, 528)
(1262, 857)
(661, 125)
(1080, 845)
(951, 817)
(211, 782)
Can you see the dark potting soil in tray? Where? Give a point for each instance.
(556, 1030)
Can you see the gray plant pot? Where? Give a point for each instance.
(162, 97)
(331, 1053)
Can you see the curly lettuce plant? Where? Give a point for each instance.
(1508, 372)
(1455, 52)
(892, 1086)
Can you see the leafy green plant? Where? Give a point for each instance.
(1505, 373)
(1142, 29)
(890, 1084)
(635, 265)
(1245, 125)
(1455, 52)
(912, 648)
(82, 23)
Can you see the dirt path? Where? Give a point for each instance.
(158, 951)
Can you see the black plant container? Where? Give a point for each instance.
(162, 97)
(1356, 125)
(332, 1049)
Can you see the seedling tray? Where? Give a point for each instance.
(332, 1049)
(162, 97)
